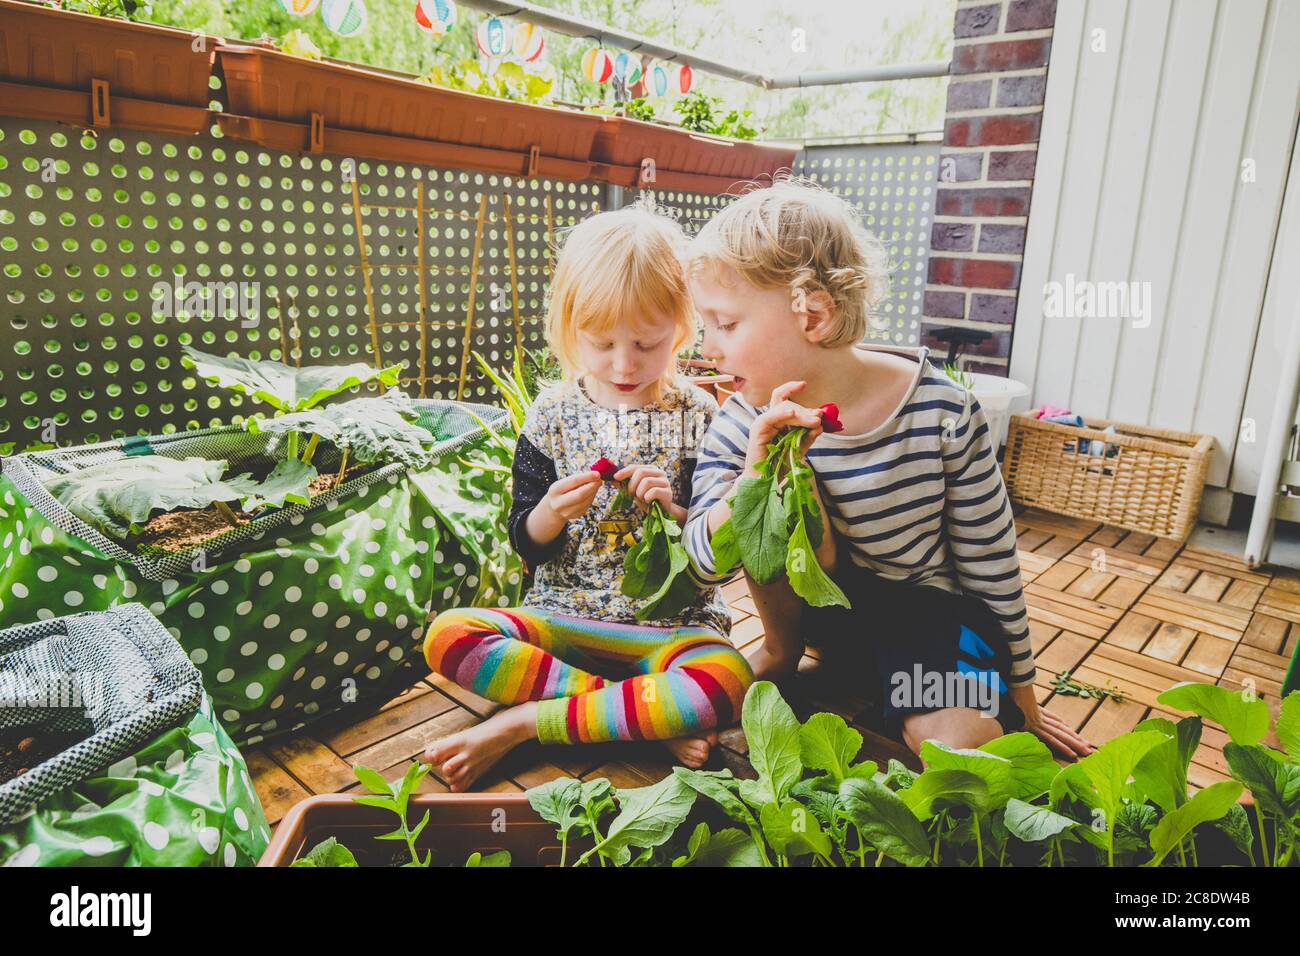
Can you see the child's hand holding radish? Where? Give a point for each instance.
(648, 484)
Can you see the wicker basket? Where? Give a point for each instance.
(1149, 479)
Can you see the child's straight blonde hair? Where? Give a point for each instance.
(796, 235)
(627, 264)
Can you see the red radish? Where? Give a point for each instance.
(831, 418)
(604, 467)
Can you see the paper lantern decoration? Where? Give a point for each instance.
(347, 18)
(684, 78)
(658, 82)
(493, 37)
(627, 67)
(597, 65)
(435, 16)
(300, 8)
(528, 42)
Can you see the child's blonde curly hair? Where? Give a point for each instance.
(617, 265)
(796, 235)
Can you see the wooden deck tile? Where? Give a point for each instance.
(1133, 631)
(1170, 643)
(1056, 524)
(1110, 719)
(619, 774)
(275, 788)
(1267, 633)
(1138, 567)
(1221, 563)
(1060, 576)
(318, 767)
(1209, 655)
(1243, 594)
(1035, 564)
(1280, 603)
(1195, 613)
(413, 709)
(1064, 653)
(747, 631)
(1178, 576)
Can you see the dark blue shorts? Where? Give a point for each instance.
(928, 648)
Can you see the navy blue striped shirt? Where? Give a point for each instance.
(920, 499)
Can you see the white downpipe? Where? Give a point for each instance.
(1260, 538)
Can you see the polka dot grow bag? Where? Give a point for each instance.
(155, 781)
(301, 612)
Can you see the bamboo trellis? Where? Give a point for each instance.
(423, 269)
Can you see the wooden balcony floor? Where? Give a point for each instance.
(1159, 614)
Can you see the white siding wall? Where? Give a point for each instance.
(1140, 179)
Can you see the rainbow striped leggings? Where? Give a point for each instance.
(680, 680)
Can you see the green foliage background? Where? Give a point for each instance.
(838, 34)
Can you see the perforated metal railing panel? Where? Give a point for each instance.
(113, 250)
(892, 186)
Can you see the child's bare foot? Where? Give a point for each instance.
(465, 756)
(692, 752)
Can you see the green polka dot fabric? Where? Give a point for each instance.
(150, 779)
(184, 799)
(305, 612)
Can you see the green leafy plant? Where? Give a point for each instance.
(812, 802)
(118, 497)
(698, 113)
(654, 569)
(510, 81)
(328, 853)
(395, 796)
(962, 378)
(776, 526)
(125, 9)
(641, 819)
(1063, 683)
(371, 429)
(639, 109)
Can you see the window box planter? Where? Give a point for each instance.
(140, 755)
(50, 60)
(626, 142)
(459, 824)
(704, 374)
(301, 611)
(274, 97)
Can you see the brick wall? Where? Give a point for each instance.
(986, 172)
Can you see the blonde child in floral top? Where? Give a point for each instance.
(574, 662)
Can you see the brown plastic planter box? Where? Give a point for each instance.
(459, 824)
(49, 60)
(626, 142)
(369, 112)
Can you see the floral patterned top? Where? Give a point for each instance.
(581, 572)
